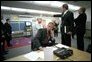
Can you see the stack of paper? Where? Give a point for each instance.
(60, 46)
(48, 53)
(34, 55)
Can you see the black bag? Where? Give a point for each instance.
(63, 53)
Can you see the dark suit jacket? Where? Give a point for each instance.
(2, 33)
(40, 39)
(67, 20)
(8, 31)
(80, 22)
(2, 29)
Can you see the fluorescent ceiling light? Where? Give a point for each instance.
(18, 9)
(42, 2)
(55, 4)
(5, 8)
(29, 10)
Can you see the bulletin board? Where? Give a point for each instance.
(22, 25)
(17, 26)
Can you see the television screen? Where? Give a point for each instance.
(28, 23)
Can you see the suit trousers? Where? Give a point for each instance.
(80, 41)
(66, 39)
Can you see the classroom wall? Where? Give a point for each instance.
(88, 24)
(5, 16)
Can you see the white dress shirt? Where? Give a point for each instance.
(65, 12)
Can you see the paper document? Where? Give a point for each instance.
(48, 53)
(34, 55)
(60, 46)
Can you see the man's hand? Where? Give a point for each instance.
(40, 48)
(52, 33)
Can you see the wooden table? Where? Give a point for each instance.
(77, 56)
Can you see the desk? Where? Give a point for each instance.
(77, 56)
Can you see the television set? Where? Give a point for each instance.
(28, 23)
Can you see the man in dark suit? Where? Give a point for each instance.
(8, 32)
(2, 40)
(43, 38)
(66, 25)
(80, 27)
